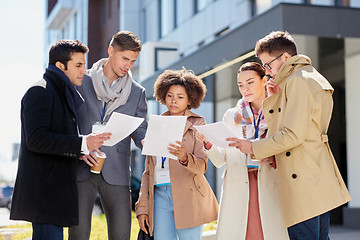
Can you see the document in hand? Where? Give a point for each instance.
(216, 133)
(161, 131)
(121, 126)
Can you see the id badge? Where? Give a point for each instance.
(98, 127)
(162, 177)
(251, 161)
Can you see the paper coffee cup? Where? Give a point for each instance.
(97, 169)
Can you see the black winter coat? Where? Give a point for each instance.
(45, 189)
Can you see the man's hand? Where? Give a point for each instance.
(244, 146)
(272, 87)
(91, 159)
(96, 140)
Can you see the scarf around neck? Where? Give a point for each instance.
(115, 95)
(75, 98)
(245, 118)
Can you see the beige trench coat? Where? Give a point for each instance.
(298, 119)
(233, 214)
(194, 201)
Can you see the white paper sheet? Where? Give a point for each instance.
(216, 133)
(161, 131)
(121, 126)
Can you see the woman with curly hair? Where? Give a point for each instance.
(177, 207)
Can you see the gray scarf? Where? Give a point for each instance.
(114, 96)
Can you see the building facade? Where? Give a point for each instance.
(213, 38)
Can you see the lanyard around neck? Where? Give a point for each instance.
(162, 161)
(256, 125)
(103, 113)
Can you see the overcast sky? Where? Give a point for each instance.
(21, 63)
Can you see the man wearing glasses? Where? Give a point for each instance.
(298, 113)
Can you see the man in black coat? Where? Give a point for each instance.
(45, 190)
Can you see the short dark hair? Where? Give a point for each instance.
(276, 43)
(125, 40)
(194, 86)
(62, 50)
(253, 66)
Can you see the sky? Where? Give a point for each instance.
(21, 63)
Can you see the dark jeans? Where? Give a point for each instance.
(316, 228)
(43, 231)
(116, 202)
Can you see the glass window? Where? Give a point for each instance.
(143, 26)
(184, 10)
(75, 26)
(322, 2)
(201, 4)
(167, 20)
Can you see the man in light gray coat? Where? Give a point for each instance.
(108, 88)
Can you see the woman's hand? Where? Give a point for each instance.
(143, 219)
(179, 151)
(202, 138)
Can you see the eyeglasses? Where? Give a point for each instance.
(267, 65)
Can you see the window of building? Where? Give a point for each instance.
(320, 2)
(200, 5)
(75, 26)
(143, 26)
(184, 10)
(167, 18)
(262, 6)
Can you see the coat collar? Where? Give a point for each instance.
(290, 66)
(190, 116)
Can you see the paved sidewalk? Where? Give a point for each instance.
(341, 233)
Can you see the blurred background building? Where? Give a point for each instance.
(213, 38)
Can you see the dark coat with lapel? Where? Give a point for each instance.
(45, 188)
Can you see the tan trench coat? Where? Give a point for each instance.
(194, 201)
(298, 119)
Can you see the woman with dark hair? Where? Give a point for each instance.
(175, 198)
(249, 207)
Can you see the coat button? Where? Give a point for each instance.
(271, 111)
(288, 154)
(294, 176)
(73, 119)
(279, 109)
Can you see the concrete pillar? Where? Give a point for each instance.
(308, 45)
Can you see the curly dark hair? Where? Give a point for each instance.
(194, 86)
